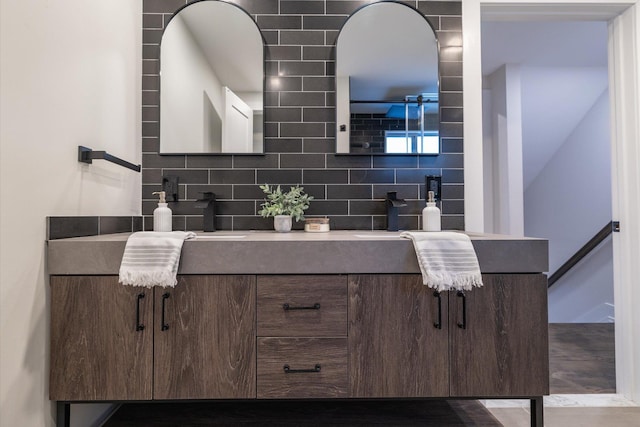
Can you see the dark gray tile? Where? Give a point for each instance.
(442, 161)
(150, 97)
(289, 99)
(151, 176)
(330, 68)
(251, 192)
(150, 51)
(372, 176)
(318, 83)
(451, 53)
(150, 129)
(316, 190)
(284, 84)
(235, 207)
(283, 145)
(194, 191)
(322, 53)
(323, 22)
(395, 161)
(270, 37)
(452, 222)
(454, 114)
(451, 145)
(369, 207)
(209, 161)
(448, 130)
(345, 7)
(451, 99)
(258, 6)
(451, 69)
(449, 38)
(115, 224)
(150, 144)
(330, 37)
(195, 223)
(325, 176)
(318, 145)
(452, 84)
(282, 114)
(415, 176)
(150, 66)
(291, 53)
(271, 67)
(274, 22)
(450, 23)
(149, 189)
(302, 161)
(347, 161)
(350, 222)
(430, 7)
(62, 227)
(252, 223)
(405, 222)
(301, 129)
(452, 176)
(271, 130)
(150, 82)
(136, 224)
(434, 20)
(161, 6)
(306, 37)
(283, 176)
(406, 191)
(262, 161)
(455, 207)
(311, 114)
(308, 68)
(189, 176)
(230, 176)
(349, 191)
(453, 191)
(328, 208)
(151, 20)
(150, 36)
(157, 161)
(302, 7)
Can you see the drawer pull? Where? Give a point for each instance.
(165, 296)
(287, 307)
(438, 323)
(139, 326)
(288, 370)
(463, 325)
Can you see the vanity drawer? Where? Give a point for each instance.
(302, 306)
(315, 368)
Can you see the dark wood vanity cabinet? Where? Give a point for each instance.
(115, 342)
(491, 341)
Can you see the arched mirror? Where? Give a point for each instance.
(387, 82)
(211, 81)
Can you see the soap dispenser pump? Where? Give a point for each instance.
(162, 214)
(431, 215)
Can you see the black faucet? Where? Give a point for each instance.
(393, 203)
(208, 203)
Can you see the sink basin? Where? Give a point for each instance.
(219, 236)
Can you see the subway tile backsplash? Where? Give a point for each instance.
(300, 128)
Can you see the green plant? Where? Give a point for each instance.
(278, 202)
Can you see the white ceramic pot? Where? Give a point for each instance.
(282, 223)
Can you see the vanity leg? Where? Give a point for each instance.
(537, 412)
(63, 414)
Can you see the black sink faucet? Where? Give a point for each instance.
(208, 204)
(393, 203)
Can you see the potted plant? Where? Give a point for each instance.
(284, 205)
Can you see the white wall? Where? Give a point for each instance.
(70, 75)
(569, 202)
(504, 183)
(188, 84)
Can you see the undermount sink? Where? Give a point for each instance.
(219, 236)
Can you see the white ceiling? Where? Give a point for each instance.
(564, 71)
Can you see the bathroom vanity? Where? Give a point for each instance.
(263, 315)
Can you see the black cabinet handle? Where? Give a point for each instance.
(438, 323)
(463, 325)
(287, 307)
(139, 326)
(165, 296)
(288, 370)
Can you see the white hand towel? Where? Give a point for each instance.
(447, 260)
(151, 258)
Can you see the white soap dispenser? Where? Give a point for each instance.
(431, 215)
(162, 214)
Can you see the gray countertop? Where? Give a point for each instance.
(297, 252)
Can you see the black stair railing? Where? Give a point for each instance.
(584, 251)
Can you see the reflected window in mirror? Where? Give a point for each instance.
(387, 82)
(211, 81)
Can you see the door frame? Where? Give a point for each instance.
(623, 19)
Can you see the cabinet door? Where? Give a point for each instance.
(501, 348)
(396, 348)
(205, 340)
(101, 339)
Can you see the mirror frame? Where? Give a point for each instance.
(264, 87)
(437, 40)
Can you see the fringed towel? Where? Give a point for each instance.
(151, 258)
(447, 260)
